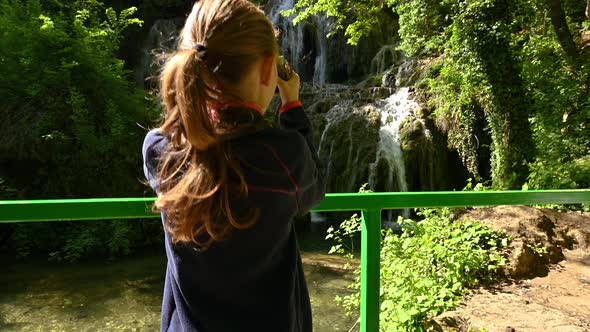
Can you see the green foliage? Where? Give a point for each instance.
(427, 269)
(523, 89)
(69, 117)
(68, 107)
(480, 46)
(345, 236)
(573, 174)
(459, 100)
(477, 187)
(424, 25)
(358, 19)
(499, 81)
(71, 242)
(560, 123)
(6, 192)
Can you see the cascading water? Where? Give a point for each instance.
(389, 153)
(338, 143)
(393, 111)
(360, 141)
(304, 45)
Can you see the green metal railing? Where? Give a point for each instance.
(370, 204)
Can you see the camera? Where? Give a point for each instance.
(284, 69)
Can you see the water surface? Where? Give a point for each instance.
(124, 295)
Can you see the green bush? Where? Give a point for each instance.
(561, 119)
(427, 269)
(68, 121)
(573, 174)
(69, 118)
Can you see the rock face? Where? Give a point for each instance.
(346, 126)
(416, 143)
(536, 239)
(430, 165)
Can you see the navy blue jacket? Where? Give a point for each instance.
(253, 281)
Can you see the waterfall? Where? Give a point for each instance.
(360, 140)
(389, 153)
(341, 140)
(319, 73)
(305, 45)
(393, 111)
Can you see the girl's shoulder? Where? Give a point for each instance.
(154, 144)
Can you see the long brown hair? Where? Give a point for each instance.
(219, 44)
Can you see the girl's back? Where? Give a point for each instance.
(228, 185)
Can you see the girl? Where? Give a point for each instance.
(228, 185)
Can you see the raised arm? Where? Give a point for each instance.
(307, 171)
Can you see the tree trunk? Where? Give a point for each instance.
(564, 35)
(588, 10)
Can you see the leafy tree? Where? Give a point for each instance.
(560, 90)
(69, 116)
(481, 40)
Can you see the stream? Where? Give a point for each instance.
(126, 294)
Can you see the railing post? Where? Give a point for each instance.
(370, 261)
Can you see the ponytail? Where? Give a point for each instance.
(221, 41)
(184, 92)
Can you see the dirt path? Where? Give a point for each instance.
(557, 301)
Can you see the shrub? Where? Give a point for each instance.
(427, 269)
(69, 118)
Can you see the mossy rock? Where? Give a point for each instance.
(412, 134)
(417, 154)
(371, 81)
(349, 145)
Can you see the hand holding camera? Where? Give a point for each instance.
(288, 83)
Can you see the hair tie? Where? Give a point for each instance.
(202, 49)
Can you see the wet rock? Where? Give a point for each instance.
(403, 75)
(371, 81)
(416, 144)
(348, 144)
(330, 263)
(387, 57)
